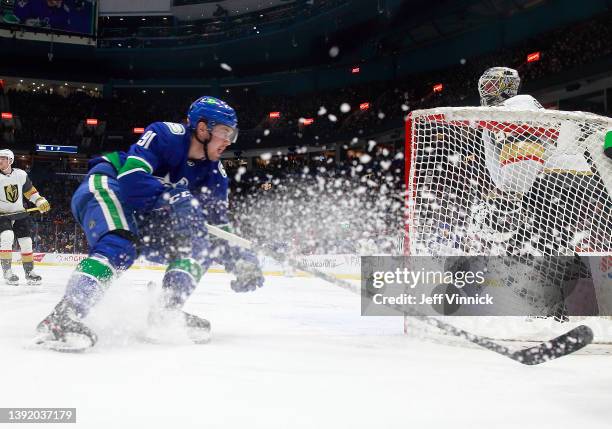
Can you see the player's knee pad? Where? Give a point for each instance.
(25, 244)
(118, 250)
(6, 239)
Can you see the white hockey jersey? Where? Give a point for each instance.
(13, 188)
(514, 162)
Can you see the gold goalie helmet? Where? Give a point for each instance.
(498, 84)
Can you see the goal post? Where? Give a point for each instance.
(492, 181)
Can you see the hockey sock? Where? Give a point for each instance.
(28, 264)
(6, 247)
(88, 283)
(180, 280)
(5, 259)
(25, 244)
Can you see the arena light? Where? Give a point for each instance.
(7, 115)
(355, 70)
(364, 106)
(138, 130)
(91, 121)
(438, 87)
(274, 115)
(534, 57)
(307, 121)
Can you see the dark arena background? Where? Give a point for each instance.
(358, 136)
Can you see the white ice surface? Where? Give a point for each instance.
(294, 354)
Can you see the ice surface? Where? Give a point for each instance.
(294, 354)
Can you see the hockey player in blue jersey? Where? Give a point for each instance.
(171, 180)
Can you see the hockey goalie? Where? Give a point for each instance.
(545, 200)
(513, 180)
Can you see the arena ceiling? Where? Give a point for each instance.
(233, 8)
(353, 26)
(188, 9)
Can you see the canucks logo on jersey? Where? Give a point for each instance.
(12, 193)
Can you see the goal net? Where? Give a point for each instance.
(495, 182)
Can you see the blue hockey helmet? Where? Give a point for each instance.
(214, 112)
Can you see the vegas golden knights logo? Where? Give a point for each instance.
(12, 193)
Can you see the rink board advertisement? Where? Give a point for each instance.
(342, 266)
(487, 286)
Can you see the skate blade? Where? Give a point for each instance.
(199, 336)
(33, 282)
(176, 337)
(73, 343)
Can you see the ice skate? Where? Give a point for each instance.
(63, 331)
(32, 278)
(11, 278)
(173, 325)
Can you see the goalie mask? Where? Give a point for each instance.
(498, 84)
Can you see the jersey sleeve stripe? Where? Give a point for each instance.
(144, 161)
(125, 173)
(28, 194)
(116, 203)
(135, 163)
(113, 158)
(111, 208)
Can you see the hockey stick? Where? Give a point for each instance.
(557, 347)
(32, 209)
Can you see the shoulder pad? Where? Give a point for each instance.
(522, 102)
(166, 128)
(177, 129)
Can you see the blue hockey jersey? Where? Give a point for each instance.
(160, 159)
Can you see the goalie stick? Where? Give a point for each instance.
(560, 346)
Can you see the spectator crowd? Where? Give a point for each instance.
(49, 118)
(52, 118)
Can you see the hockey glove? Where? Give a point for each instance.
(166, 230)
(43, 205)
(247, 270)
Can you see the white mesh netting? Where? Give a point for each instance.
(491, 181)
